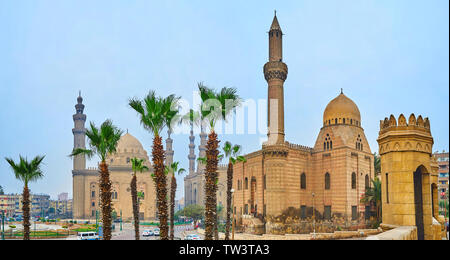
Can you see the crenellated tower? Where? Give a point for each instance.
(275, 73)
(79, 133)
(409, 180)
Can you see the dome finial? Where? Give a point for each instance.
(342, 92)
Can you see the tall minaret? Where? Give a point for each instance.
(275, 73)
(169, 151)
(191, 155)
(202, 147)
(79, 133)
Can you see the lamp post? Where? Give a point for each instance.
(3, 225)
(96, 220)
(314, 217)
(234, 216)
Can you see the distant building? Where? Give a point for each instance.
(442, 159)
(11, 204)
(63, 196)
(7, 205)
(61, 208)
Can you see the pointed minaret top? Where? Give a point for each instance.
(275, 25)
(342, 91)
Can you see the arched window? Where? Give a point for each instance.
(335, 121)
(246, 183)
(328, 145)
(331, 145)
(324, 146)
(367, 182)
(303, 181)
(353, 180)
(327, 181)
(343, 120)
(351, 121)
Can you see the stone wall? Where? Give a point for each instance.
(399, 233)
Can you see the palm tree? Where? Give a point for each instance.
(26, 172)
(216, 106)
(173, 168)
(156, 113)
(232, 152)
(136, 165)
(102, 142)
(372, 196)
(377, 164)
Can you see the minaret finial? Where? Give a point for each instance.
(342, 92)
(79, 93)
(275, 11)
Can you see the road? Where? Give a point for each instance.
(127, 232)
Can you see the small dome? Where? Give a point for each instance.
(342, 110)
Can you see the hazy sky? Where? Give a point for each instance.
(390, 57)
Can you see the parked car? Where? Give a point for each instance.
(87, 236)
(192, 237)
(147, 233)
(156, 232)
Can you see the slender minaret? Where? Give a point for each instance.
(79, 133)
(202, 148)
(275, 73)
(169, 151)
(192, 155)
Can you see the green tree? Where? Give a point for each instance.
(155, 114)
(26, 172)
(372, 196)
(215, 106)
(1, 191)
(102, 142)
(232, 153)
(173, 168)
(194, 211)
(137, 165)
(377, 164)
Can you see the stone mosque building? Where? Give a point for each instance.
(194, 182)
(86, 180)
(283, 186)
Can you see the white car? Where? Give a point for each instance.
(192, 237)
(156, 232)
(87, 236)
(147, 233)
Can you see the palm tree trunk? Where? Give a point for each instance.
(26, 212)
(134, 200)
(173, 189)
(105, 199)
(229, 187)
(161, 186)
(210, 185)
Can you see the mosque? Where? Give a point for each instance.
(86, 180)
(284, 187)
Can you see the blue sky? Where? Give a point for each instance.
(390, 57)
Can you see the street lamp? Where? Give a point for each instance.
(314, 217)
(234, 216)
(120, 220)
(3, 225)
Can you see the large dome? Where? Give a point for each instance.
(342, 110)
(128, 147)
